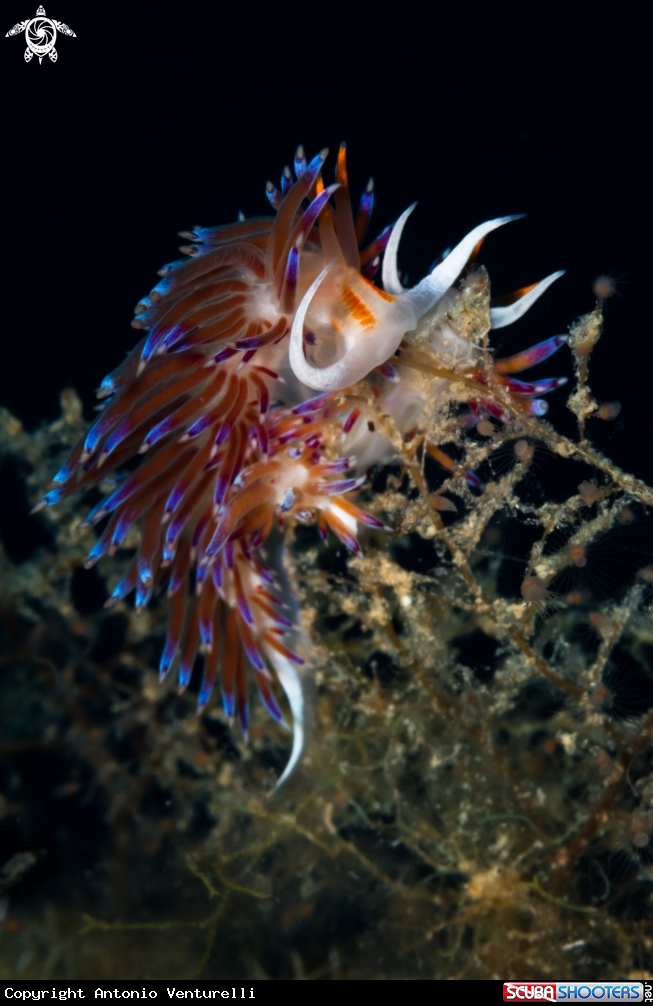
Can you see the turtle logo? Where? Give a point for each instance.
(40, 35)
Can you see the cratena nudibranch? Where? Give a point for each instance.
(218, 397)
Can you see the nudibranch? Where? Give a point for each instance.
(218, 397)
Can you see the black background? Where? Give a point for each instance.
(157, 118)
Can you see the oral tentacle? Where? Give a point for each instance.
(509, 314)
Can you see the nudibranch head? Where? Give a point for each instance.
(355, 326)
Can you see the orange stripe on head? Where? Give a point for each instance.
(381, 293)
(358, 309)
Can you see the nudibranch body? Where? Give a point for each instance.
(231, 449)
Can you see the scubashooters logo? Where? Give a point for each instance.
(40, 35)
(573, 991)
